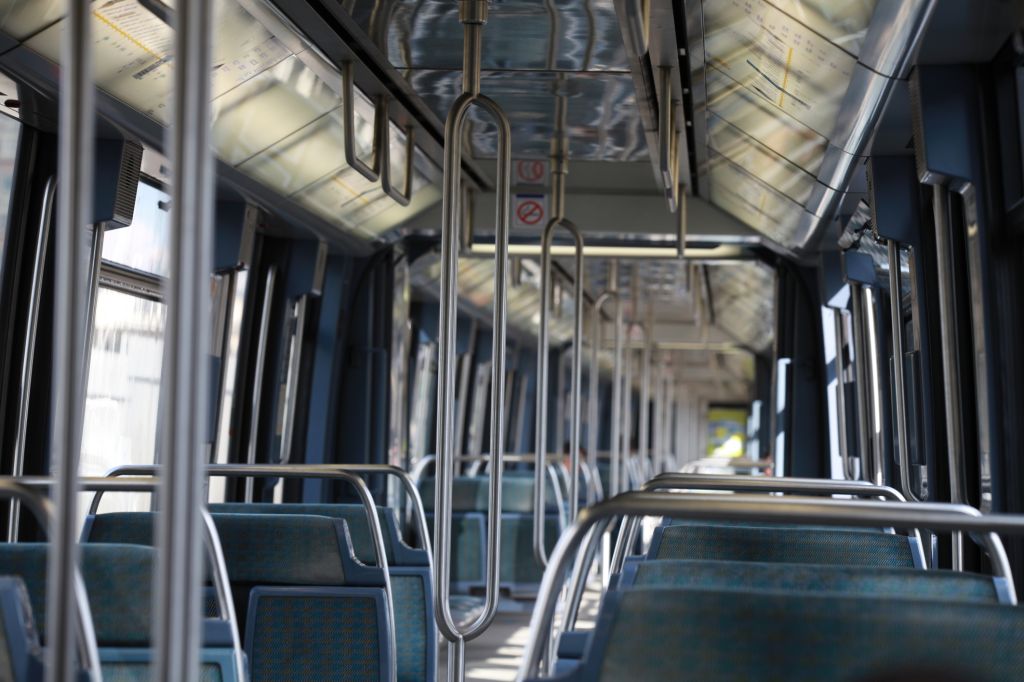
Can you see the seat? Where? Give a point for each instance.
(408, 567)
(904, 583)
(20, 651)
(520, 574)
(659, 633)
(310, 609)
(785, 544)
(118, 580)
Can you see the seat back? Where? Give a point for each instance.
(783, 544)
(21, 657)
(907, 583)
(411, 582)
(118, 581)
(655, 633)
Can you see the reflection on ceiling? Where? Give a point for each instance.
(277, 103)
(533, 52)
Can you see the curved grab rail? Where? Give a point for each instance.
(299, 471)
(695, 506)
(472, 15)
(404, 195)
(766, 484)
(348, 105)
(543, 344)
(43, 510)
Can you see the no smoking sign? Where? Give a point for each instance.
(529, 211)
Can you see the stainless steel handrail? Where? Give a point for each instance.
(668, 139)
(29, 349)
(594, 380)
(261, 361)
(861, 381)
(75, 143)
(472, 15)
(617, 389)
(898, 377)
(543, 345)
(303, 471)
(85, 643)
(949, 350)
(185, 374)
(211, 539)
(401, 196)
(761, 508)
(801, 486)
(348, 104)
(766, 484)
(843, 435)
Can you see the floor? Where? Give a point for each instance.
(495, 655)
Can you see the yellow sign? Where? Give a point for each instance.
(727, 431)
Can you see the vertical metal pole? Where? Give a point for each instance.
(28, 350)
(860, 366)
(950, 350)
(74, 208)
(844, 442)
(616, 435)
(595, 377)
(627, 410)
(643, 444)
(875, 384)
(261, 361)
(898, 377)
(179, 570)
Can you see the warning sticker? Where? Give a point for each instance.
(529, 172)
(529, 210)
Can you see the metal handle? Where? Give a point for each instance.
(29, 350)
(348, 104)
(760, 508)
(668, 139)
(543, 344)
(670, 481)
(404, 195)
(472, 14)
(769, 484)
(324, 471)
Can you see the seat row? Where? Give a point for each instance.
(311, 602)
(714, 600)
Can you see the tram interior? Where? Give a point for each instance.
(576, 340)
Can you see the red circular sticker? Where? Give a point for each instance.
(530, 171)
(530, 212)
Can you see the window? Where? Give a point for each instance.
(9, 135)
(126, 352)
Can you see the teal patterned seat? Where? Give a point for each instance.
(782, 544)
(520, 573)
(905, 583)
(20, 652)
(408, 568)
(302, 568)
(118, 580)
(659, 633)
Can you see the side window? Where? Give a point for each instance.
(10, 130)
(126, 351)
